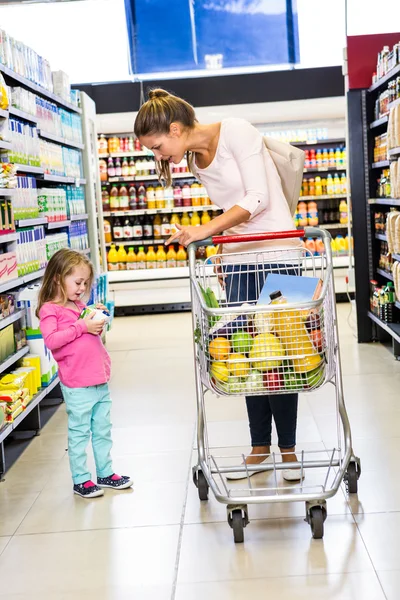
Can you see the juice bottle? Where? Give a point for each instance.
(181, 257)
(346, 243)
(195, 220)
(142, 197)
(171, 257)
(343, 182)
(123, 198)
(211, 251)
(205, 218)
(110, 167)
(332, 159)
(157, 227)
(141, 258)
(132, 198)
(185, 220)
(151, 197)
(292, 333)
(125, 168)
(117, 230)
(186, 195)
(307, 160)
(310, 245)
(131, 262)
(161, 258)
(305, 188)
(114, 198)
(151, 258)
(325, 158)
(112, 259)
(323, 185)
(165, 227)
(131, 146)
(312, 214)
(169, 197)
(178, 201)
(102, 145)
(329, 185)
(121, 258)
(319, 158)
(147, 228)
(107, 231)
(118, 168)
(195, 193)
(137, 227)
(334, 246)
(338, 158)
(128, 229)
(344, 212)
(313, 159)
(319, 246)
(340, 244)
(318, 186)
(302, 212)
(337, 184)
(311, 186)
(132, 167)
(105, 199)
(175, 220)
(103, 170)
(343, 158)
(160, 202)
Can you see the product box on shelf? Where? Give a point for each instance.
(7, 223)
(28, 299)
(7, 346)
(7, 305)
(32, 360)
(37, 347)
(8, 266)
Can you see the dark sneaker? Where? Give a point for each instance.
(116, 482)
(88, 490)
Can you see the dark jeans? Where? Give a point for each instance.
(243, 284)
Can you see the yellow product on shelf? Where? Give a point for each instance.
(175, 220)
(151, 258)
(185, 220)
(318, 186)
(334, 246)
(151, 197)
(131, 260)
(112, 259)
(141, 258)
(33, 360)
(205, 218)
(181, 257)
(171, 257)
(161, 258)
(121, 255)
(160, 201)
(195, 220)
(195, 194)
(344, 212)
(211, 251)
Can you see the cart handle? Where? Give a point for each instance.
(257, 237)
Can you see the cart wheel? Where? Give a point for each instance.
(237, 523)
(202, 486)
(351, 478)
(316, 520)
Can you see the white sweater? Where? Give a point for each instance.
(243, 173)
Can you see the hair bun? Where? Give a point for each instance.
(158, 93)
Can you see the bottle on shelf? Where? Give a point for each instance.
(141, 258)
(160, 202)
(178, 200)
(102, 145)
(195, 194)
(132, 168)
(165, 227)
(330, 188)
(151, 258)
(137, 228)
(110, 167)
(186, 195)
(169, 197)
(137, 145)
(141, 193)
(311, 186)
(117, 230)
(131, 261)
(344, 212)
(343, 184)
(121, 258)
(195, 220)
(105, 199)
(171, 257)
(151, 197)
(181, 257)
(128, 229)
(161, 258)
(112, 259)
(151, 165)
(185, 220)
(157, 227)
(103, 170)
(123, 198)
(131, 145)
(147, 228)
(318, 186)
(132, 198)
(114, 198)
(331, 159)
(107, 231)
(205, 218)
(118, 168)
(175, 220)
(125, 168)
(337, 185)
(312, 214)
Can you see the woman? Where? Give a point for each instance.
(230, 159)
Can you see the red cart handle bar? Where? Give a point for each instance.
(257, 237)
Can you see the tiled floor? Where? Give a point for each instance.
(158, 542)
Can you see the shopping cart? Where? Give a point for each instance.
(242, 347)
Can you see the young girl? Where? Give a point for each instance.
(83, 366)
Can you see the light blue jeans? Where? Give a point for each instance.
(89, 412)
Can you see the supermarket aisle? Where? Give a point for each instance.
(158, 542)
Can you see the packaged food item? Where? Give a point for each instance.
(4, 94)
(99, 314)
(13, 381)
(112, 259)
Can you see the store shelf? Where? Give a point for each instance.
(324, 197)
(13, 283)
(141, 178)
(29, 169)
(31, 222)
(385, 201)
(21, 114)
(83, 217)
(385, 274)
(326, 169)
(58, 224)
(380, 165)
(16, 316)
(60, 140)
(379, 122)
(148, 274)
(319, 142)
(38, 89)
(6, 193)
(392, 328)
(155, 211)
(394, 152)
(128, 243)
(42, 393)
(333, 226)
(6, 238)
(4, 114)
(5, 145)
(383, 80)
(135, 154)
(381, 236)
(57, 178)
(11, 360)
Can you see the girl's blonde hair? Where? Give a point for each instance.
(61, 264)
(155, 117)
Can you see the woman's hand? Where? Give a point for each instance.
(94, 327)
(189, 234)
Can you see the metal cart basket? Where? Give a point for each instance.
(245, 344)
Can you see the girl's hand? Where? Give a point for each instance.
(189, 234)
(94, 327)
(101, 306)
